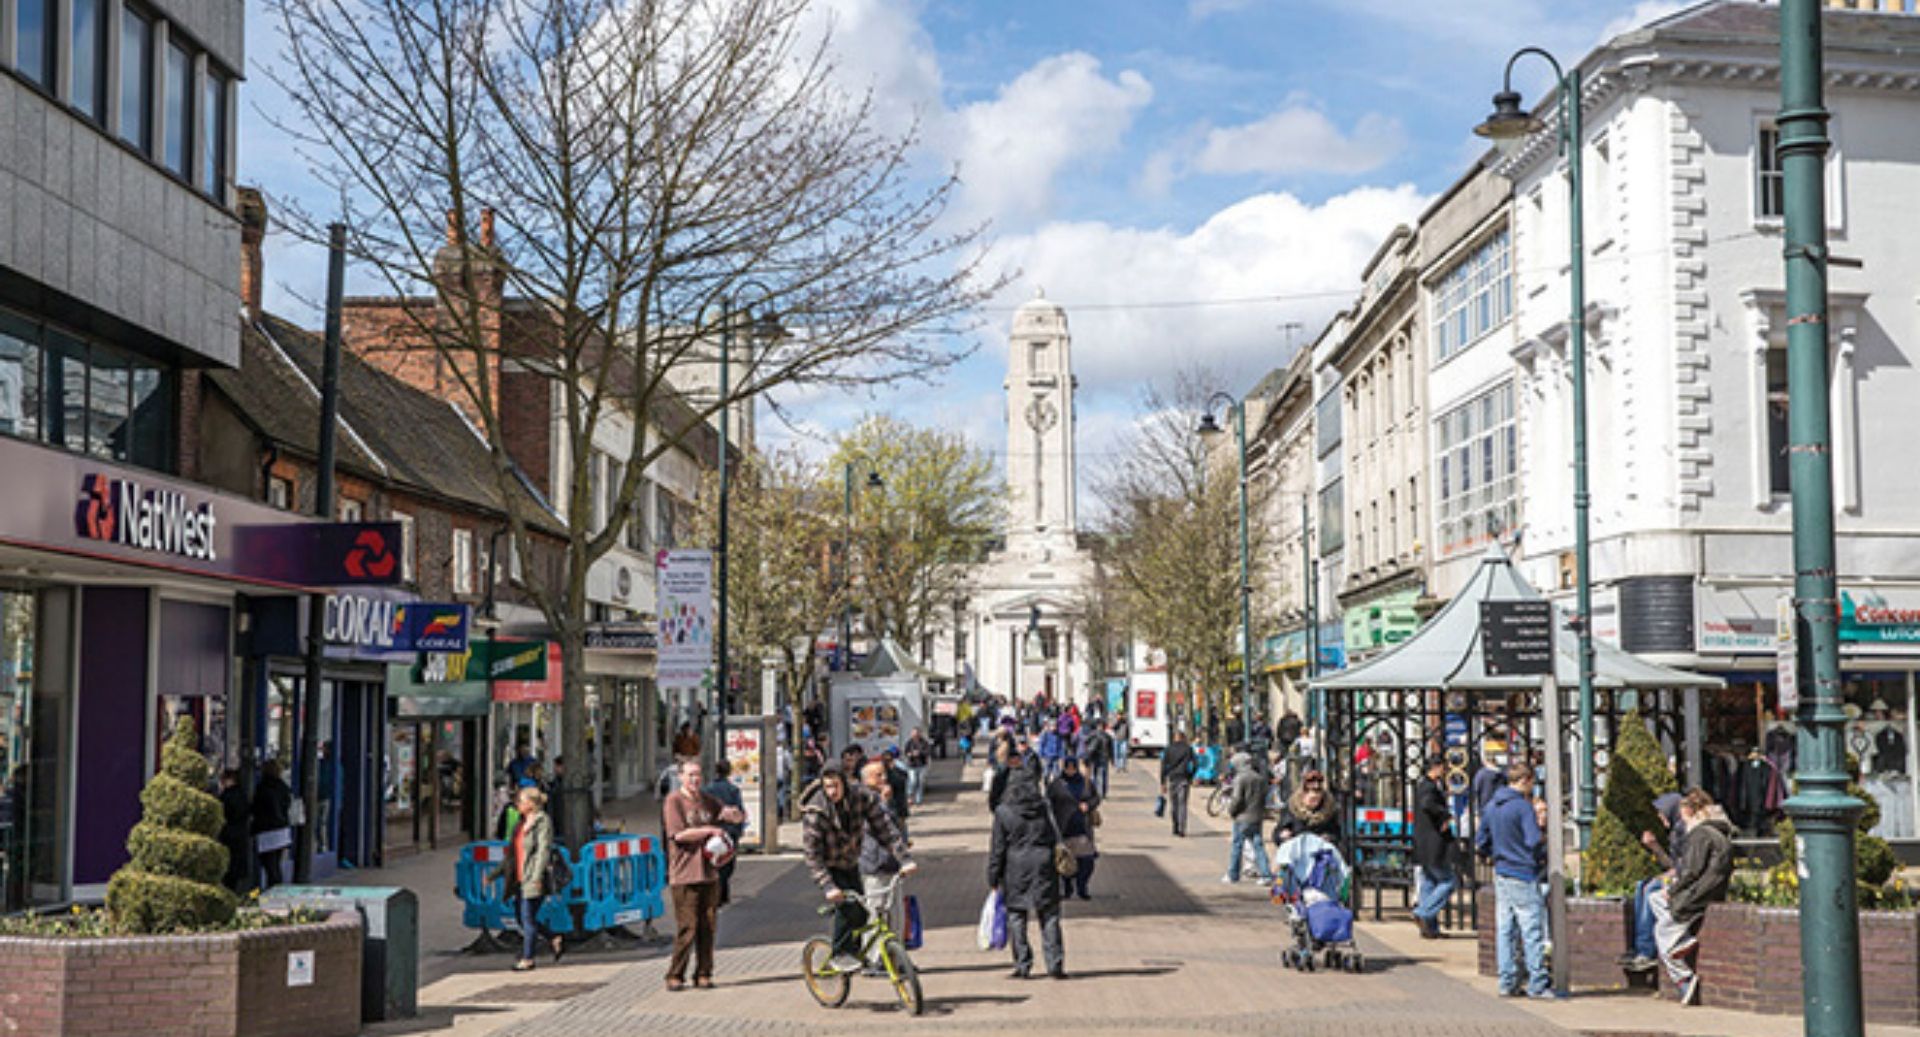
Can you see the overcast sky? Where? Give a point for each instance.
(1153, 164)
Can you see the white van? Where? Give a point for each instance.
(1147, 709)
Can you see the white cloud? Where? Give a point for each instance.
(1298, 139)
(1268, 246)
(1059, 114)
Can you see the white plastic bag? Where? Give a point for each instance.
(988, 908)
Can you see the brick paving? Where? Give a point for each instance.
(1164, 947)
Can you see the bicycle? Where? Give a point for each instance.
(830, 986)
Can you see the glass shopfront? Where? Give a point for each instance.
(36, 630)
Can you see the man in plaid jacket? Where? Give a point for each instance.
(835, 816)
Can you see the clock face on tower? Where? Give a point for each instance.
(1041, 414)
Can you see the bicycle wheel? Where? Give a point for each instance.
(827, 986)
(1217, 801)
(904, 976)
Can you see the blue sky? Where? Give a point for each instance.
(1141, 151)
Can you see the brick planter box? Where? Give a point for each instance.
(1749, 957)
(217, 985)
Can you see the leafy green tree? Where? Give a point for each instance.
(917, 536)
(782, 591)
(1637, 772)
(172, 883)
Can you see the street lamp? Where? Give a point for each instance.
(766, 328)
(1209, 429)
(1823, 813)
(874, 482)
(1509, 127)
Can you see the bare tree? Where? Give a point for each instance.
(1172, 521)
(657, 166)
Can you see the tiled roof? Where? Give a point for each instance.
(389, 430)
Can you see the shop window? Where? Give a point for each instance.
(19, 379)
(35, 721)
(109, 407)
(88, 81)
(33, 41)
(179, 102)
(136, 79)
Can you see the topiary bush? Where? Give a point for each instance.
(1637, 772)
(1873, 860)
(172, 883)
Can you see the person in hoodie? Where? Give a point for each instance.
(1053, 748)
(1020, 867)
(1645, 953)
(1700, 877)
(835, 816)
(1510, 836)
(1248, 808)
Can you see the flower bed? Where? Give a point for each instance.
(1749, 956)
(298, 980)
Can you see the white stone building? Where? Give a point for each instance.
(1039, 573)
(1686, 381)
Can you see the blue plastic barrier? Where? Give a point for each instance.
(626, 878)
(479, 879)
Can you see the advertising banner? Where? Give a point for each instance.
(746, 769)
(686, 618)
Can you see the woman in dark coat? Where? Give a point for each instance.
(1077, 826)
(1311, 808)
(1020, 866)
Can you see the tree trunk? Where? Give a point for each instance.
(574, 812)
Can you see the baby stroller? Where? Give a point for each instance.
(1311, 883)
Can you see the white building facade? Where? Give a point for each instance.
(1687, 394)
(1020, 620)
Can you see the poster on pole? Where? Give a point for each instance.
(1787, 654)
(686, 617)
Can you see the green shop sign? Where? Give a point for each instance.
(1869, 618)
(485, 660)
(1383, 622)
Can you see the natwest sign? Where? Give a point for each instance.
(122, 511)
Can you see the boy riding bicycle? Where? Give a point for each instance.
(835, 817)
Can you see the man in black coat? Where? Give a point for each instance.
(1432, 848)
(1177, 767)
(235, 814)
(1020, 866)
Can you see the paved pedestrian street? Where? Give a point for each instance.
(1164, 947)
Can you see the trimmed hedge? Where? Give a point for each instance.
(1615, 860)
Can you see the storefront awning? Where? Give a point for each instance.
(1446, 652)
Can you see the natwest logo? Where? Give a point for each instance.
(121, 511)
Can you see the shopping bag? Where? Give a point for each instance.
(984, 935)
(1160, 807)
(999, 940)
(914, 932)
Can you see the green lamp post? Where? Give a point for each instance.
(1823, 813)
(1209, 428)
(1509, 127)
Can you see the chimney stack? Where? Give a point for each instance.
(252, 207)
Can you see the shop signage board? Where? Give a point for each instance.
(686, 618)
(1383, 622)
(1516, 638)
(82, 506)
(623, 637)
(486, 660)
(379, 624)
(1286, 651)
(1745, 619)
(509, 661)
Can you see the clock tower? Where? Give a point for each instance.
(1040, 422)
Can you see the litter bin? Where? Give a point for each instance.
(390, 947)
